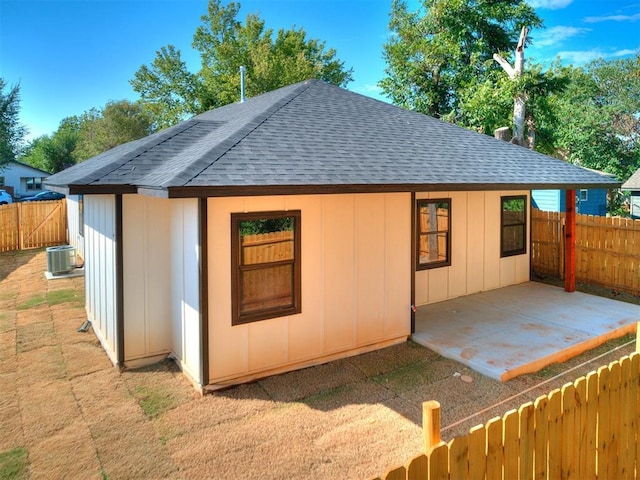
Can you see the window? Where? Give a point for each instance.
(513, 226)
(265, 265)
(583, 196)
(34, 183)
(434, 233)
(1, 181)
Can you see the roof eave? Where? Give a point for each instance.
(261, 190)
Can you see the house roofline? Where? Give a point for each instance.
(262, 190)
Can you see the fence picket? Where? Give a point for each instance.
(418, 468)
(604, 423)
(591, 439)
(527, 441)
(458, 458)
(478, 452)
(540, 448)
(495, 453)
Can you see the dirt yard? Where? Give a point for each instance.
(65, 412)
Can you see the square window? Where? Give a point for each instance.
(513, 235)
(434, 233)
(265, 265)
(583, 196)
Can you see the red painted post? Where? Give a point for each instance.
(570, 243)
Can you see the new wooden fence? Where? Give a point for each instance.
(586, 430)
(607, 249)
(32, 225)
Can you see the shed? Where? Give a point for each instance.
(297, 227)
(633, 184)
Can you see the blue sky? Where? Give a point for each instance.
(72, 55)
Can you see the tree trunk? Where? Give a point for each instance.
(502, 133)
(520, 99)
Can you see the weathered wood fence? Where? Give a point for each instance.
(588, 429)
(33, 225)
(607, 249)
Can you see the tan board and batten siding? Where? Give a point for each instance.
(161, 271)
(100, 269)
(356, 284)
(475, 250)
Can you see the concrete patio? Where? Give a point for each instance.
(520, 329)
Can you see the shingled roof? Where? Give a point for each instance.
(312, 137)
(633, 183)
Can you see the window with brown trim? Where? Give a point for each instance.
(265, 265)
(434, 233)
(513, 221)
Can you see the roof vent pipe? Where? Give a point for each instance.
(241, 83)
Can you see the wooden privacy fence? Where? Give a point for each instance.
(586, 430)
(32, 225)
(607, 249)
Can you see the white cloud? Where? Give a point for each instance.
(555, 35)
(580, 57)
(369, 89)
(613, 18)
(549, 4)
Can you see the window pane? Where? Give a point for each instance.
(513, 211)
(513, 238)
(266, 288)
(434, 217)
(433, 247)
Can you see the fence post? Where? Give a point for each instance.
(431, 424)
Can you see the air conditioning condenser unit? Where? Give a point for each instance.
(61, 259)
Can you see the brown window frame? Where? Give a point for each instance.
(443, 263)
(520, 251)
(239, 317)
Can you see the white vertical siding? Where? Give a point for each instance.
(185, 295)
(356, 282)
(147, 276)
(75, 231)
(475, 250)
(100, 268)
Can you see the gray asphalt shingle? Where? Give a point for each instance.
(312, 135)
(633, 183)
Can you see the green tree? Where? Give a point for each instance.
(171, 93)
(443, 49)
(56, 152)
(12, 132)
(117, 123)
(489, 105)
(600, 113)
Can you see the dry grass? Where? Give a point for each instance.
(65, 412)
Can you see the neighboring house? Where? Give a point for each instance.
(588, 201)
(297, 227)
(633, 184)
(22, 180)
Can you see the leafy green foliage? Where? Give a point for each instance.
(117, 123)
(443, 49)
(170, 92)
(12, 132)
(266, 225)
(56, 152)
(489, 105)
